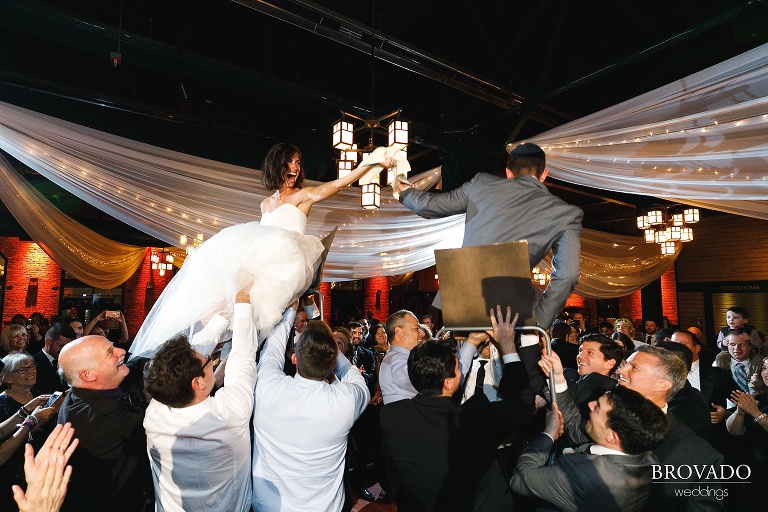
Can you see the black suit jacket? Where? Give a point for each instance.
(682, 447)
(48, 379)
(690, 407)
(110, 468)
(366, 359)
(584, 481)
(716, 384)
(438, 451)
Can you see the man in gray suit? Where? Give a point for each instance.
(516, 208)
(614, 473)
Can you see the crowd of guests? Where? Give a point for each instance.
(383, 411)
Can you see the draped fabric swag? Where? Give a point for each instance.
(715, 156)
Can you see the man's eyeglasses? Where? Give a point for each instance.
(24, 369)
(213, 359)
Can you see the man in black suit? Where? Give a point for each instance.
(361, 357)
(439, 454)
(658, 375)
(614, 473)
(47, 360)
(599, 356)
(110, 467)
(688, 404)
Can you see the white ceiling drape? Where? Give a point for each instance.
(715, 155)
(702, 140)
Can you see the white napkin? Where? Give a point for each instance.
(379, 155)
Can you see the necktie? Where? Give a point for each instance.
(649, 339)
(480, 379)
(740, 376)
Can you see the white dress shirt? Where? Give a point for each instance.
(393, 373)
(493, 370)
(300, 431)
(200, 454)
(694, 376)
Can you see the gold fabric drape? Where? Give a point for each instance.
(88, 256)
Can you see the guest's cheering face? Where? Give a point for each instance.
(300, 322)
(292, 169)
(738, 347)
(622, 327)
(18, 340)
(410, 331)
(642, 373)
(24, 375)
(651, 327)
(77, 326)
(427, 320)
(357, 335)
(590, 359)
(109, 361)
(734, 320)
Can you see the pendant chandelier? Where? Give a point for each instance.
(343, 139)
(667, 227)
(161, 261)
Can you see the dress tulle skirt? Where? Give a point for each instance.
(273, 264)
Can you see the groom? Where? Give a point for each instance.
(518, 207)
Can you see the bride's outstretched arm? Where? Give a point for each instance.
(326, 190)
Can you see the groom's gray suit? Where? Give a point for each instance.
(509, 209)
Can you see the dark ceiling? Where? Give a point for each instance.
(227, 79)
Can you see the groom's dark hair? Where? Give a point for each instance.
(527, 159)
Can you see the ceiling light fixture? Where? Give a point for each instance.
(666, 228)
(162, 261)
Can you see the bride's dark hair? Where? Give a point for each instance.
(275, 167)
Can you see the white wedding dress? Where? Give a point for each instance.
(274, 260)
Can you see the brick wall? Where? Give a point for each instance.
(27, 261)
(669, 296)
(325, 289)
(372, 286)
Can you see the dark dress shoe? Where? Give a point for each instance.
(368, 495)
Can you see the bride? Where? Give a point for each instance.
(273, 259)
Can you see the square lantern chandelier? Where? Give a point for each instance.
(667, 228)
(161, 261)
(344, 140)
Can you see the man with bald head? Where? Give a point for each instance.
(110, 468)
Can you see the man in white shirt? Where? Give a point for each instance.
(301, 423)
(199, 445)
(403, 334)
(489, 365)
